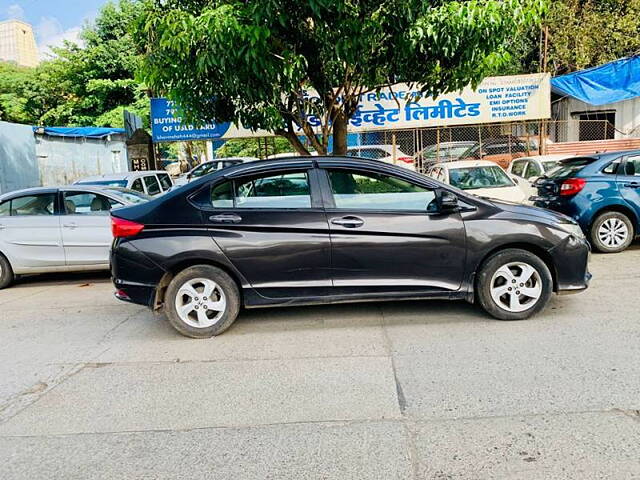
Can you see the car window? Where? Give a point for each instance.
(153, 187)
(518, 168)
(356, 190)
(372, 153)
(284, 190)
(222, 195)
(632, 166)
(106, 183)
(165, 181)
(42, 204)
(88, 203)
(204, 169)
(548, 166)
(568, 168)
(130, 196)
(5, 208)
(479, 177)
(534, 170)
(137, 185)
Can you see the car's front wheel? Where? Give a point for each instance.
(202, 301)
(514, 284)
(6, 272)
(611, 232)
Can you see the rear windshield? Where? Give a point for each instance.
(568, 168)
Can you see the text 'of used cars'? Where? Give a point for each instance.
(313, 230)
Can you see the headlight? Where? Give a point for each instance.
(572, 228)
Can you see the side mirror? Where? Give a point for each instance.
(447, 201)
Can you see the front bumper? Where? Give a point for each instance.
(571, 261)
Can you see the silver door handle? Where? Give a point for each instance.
(70, 225)
(226, 218)
(348, 222)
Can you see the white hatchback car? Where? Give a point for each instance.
(480, 177)
(58, 229)
(151, 182)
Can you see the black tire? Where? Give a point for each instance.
(229, 291)
(495, 262)
(599, 244)
(6, 272)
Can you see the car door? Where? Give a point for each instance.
(387, 235)
(628, 181)
(30, 231)
(86, 227)
(272, 227)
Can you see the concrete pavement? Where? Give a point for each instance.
(94, 388)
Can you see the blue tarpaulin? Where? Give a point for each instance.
(79, 132)
(608, 83)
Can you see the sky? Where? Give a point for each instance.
(53, 21)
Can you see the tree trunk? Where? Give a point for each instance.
(340, 134)
(294, 141)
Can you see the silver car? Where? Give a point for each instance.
(54, 229)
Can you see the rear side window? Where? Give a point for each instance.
(285, 190)
(137, 185)
(612, 168)
(632, 166)
(165, 181)
(5, 209)
(518, 168)
(153, 187)
(43, 204)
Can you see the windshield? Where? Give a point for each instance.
(131, 196)
(568, 168)
(479, 177)
(109, 183)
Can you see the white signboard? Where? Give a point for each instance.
(497, 99)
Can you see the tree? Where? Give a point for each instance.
(90, 84)
(13, 80)
(250, 61)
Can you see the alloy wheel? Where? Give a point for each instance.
(200, 302)
(516, 287)
(613, 233)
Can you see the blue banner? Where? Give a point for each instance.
(167, 125)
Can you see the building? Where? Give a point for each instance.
(18, 43)
(600, 103)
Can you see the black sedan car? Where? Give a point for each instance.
(324, 230)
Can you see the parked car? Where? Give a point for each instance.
(326, 230)
(480, 177)
(443, 152)
(58, 229)
(211, 166)
(601, 192)
(501, 150)
(528, 169)
(151, 182)
(384, 153)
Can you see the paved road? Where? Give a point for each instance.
(91, 388)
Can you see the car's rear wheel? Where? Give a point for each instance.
(202, 301)
(6, 272)
(514, 284)
(611, 232)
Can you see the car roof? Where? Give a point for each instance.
(546, 158)
(39, 190)
(27, 191)
(121, 176)
(467, 164)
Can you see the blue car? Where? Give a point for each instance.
(601, 192)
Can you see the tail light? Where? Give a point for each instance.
(124, 228)
(405, 159)
(572, 186)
